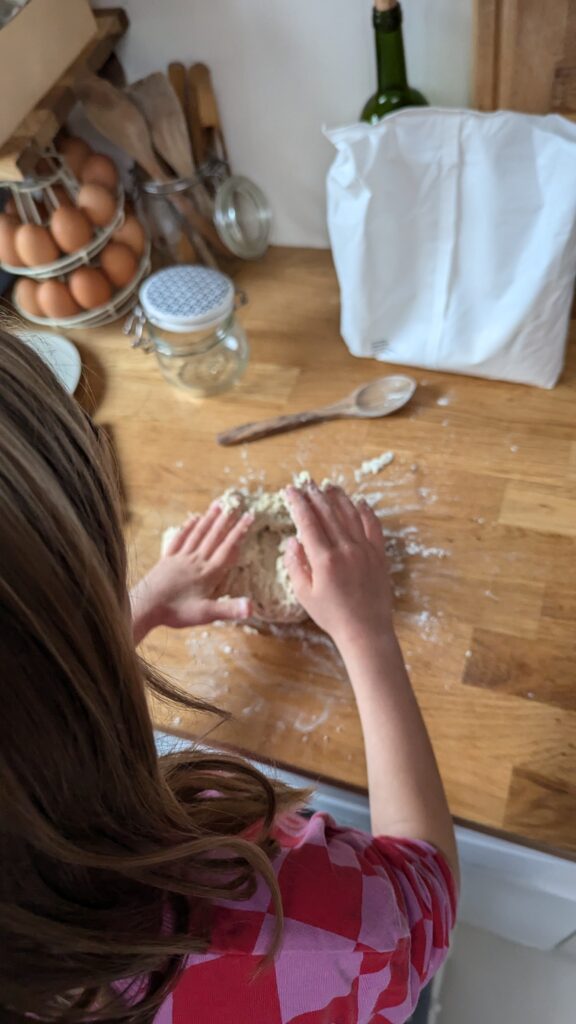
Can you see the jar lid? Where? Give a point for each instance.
(242, 217)
(187, 298)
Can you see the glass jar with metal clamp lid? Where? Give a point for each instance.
(187, 317)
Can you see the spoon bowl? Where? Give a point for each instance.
(383, 396)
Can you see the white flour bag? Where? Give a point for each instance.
(454, 239)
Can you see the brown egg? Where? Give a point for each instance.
(8, 252)
(55, 300)
(70, 229)
(75, 151)
(35, 245)
(25, 295)
(98, 204)
(118, 263)
(100, 170)
(132, 234)
(90, 287)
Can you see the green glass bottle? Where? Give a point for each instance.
(393, 90)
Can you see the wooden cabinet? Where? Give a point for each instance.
(525, 56)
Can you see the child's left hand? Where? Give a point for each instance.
(179, 590)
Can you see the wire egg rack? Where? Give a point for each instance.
(121, 304)
(35, 199)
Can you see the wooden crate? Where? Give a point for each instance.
(19, 155)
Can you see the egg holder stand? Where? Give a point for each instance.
(123, 301)
(22, 193)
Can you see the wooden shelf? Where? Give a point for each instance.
(18, 156)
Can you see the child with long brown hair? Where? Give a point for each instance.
(187, 888)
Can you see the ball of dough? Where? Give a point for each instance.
(260, 572)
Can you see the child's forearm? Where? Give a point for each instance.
(406, 794)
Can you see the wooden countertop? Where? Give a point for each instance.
(480, 504)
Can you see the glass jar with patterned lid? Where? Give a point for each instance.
(187, 317)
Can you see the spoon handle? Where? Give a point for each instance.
(280, 424)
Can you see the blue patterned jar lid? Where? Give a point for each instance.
(187, 298)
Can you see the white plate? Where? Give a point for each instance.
(59, 354)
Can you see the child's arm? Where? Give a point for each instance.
(340, 575)
(180, 589)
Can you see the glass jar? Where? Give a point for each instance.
(187, 316)
(239, 210)
(173, 238)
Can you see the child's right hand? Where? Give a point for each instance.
(338, 565)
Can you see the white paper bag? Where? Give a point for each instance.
(454, 239)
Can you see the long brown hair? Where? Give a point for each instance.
(110, 857)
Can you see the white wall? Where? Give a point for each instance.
(284, 68)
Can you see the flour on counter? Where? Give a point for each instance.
(412, 548)
(426, 625)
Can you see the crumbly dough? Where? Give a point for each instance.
(261, 573)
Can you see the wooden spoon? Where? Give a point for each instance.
(371, 401)
(116, 117)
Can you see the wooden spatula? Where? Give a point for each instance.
(158, 102)
(177, 77)
(204, 110)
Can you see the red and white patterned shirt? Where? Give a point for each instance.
(367, 925)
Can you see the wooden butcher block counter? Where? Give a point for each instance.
(480, 508)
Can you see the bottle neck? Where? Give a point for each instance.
(390, 59)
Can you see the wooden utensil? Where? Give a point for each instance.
(157, 101)
(204, 112)
(195, 130)
(114, 114)
(380, 398)
(178, 78)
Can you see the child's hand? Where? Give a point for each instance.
(338, 566)
(180, 590)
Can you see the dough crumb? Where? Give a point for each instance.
(167, 537)
(230, 501)
(373, 466)
(302, 478)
